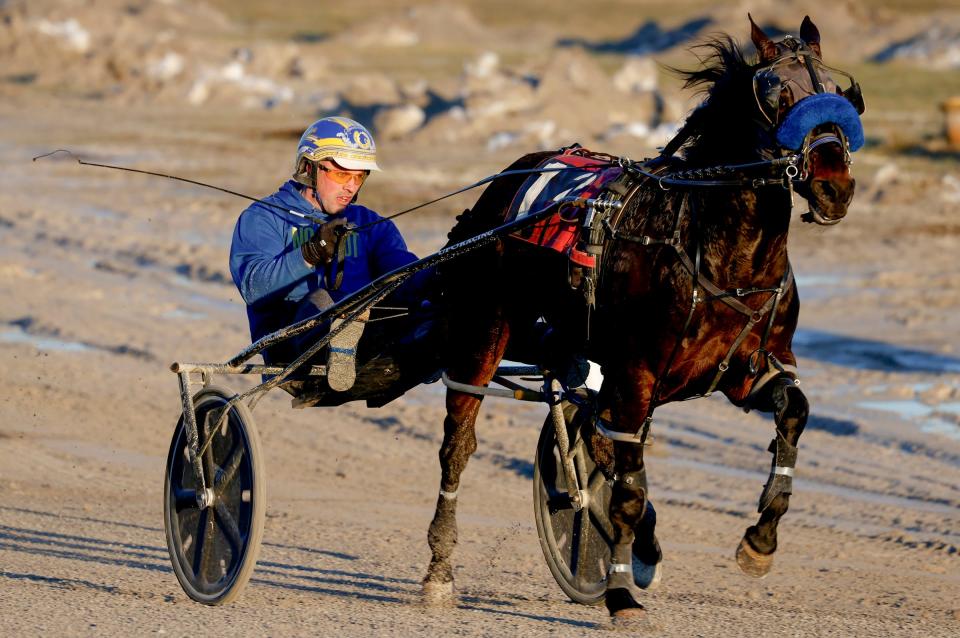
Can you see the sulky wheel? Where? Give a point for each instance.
(575, 543)
(214, 549)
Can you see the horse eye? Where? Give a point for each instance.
(786, 97)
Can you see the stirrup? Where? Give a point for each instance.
(342, 360)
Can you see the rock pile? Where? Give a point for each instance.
(570, 98)
(937, 47)
(185, 52)
(179, 52)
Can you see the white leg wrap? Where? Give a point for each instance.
(623, 437)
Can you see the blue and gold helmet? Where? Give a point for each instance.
(346, 142)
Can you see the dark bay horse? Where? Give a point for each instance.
(694, 291)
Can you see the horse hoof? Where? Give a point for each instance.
(633, 620)
(752, 562)
(646, 576)
(437, 593)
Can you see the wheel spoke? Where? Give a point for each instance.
(559, 501)
(206, 550)
(576, 452)
(554, 485)
(596, 483)
(229, 525)
(201, 542)
(583, 540)
(229, 470)
(576, 528)
(578, 544)
(184, 499)
(601, 524)
(597, 505)
(600, 504)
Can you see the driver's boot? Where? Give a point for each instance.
(342, 349)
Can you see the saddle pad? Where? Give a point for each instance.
(580, 174)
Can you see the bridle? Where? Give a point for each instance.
(800, 54)
(787, 168)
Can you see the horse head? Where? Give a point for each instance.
(812, 109)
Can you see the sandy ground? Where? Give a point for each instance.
(108, 277)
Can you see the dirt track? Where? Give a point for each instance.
(107, 278)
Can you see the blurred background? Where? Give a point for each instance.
(451, 89)
(106, 277)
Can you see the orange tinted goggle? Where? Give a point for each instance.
(342, 177)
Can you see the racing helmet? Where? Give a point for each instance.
(346, 142)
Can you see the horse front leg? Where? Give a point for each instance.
(459, 442)
(633, 523)
(628, 503)
(755, 552)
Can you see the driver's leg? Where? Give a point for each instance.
(342, 350)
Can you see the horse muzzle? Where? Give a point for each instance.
(828, 200)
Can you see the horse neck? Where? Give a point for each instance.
(742, 233)
(742, 236)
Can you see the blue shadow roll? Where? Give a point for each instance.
(818, 109)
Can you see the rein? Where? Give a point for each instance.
(709, 176)
(307, 216)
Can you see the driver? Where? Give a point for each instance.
(284, 266)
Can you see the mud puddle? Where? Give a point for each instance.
(868, 354)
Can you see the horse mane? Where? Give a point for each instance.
(722, 128)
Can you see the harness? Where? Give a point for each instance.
(729, 298)
(601, 227)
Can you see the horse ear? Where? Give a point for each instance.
(810, 34)
(765, 46)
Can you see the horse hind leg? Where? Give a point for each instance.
(756, 549)
(647, 555)
(459, 443)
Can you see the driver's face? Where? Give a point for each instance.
(337, 186)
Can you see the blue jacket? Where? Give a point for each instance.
(270, 272)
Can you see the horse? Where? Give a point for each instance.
(694, 291)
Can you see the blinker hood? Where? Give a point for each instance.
(814, 110)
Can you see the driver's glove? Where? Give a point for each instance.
(319, 251)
